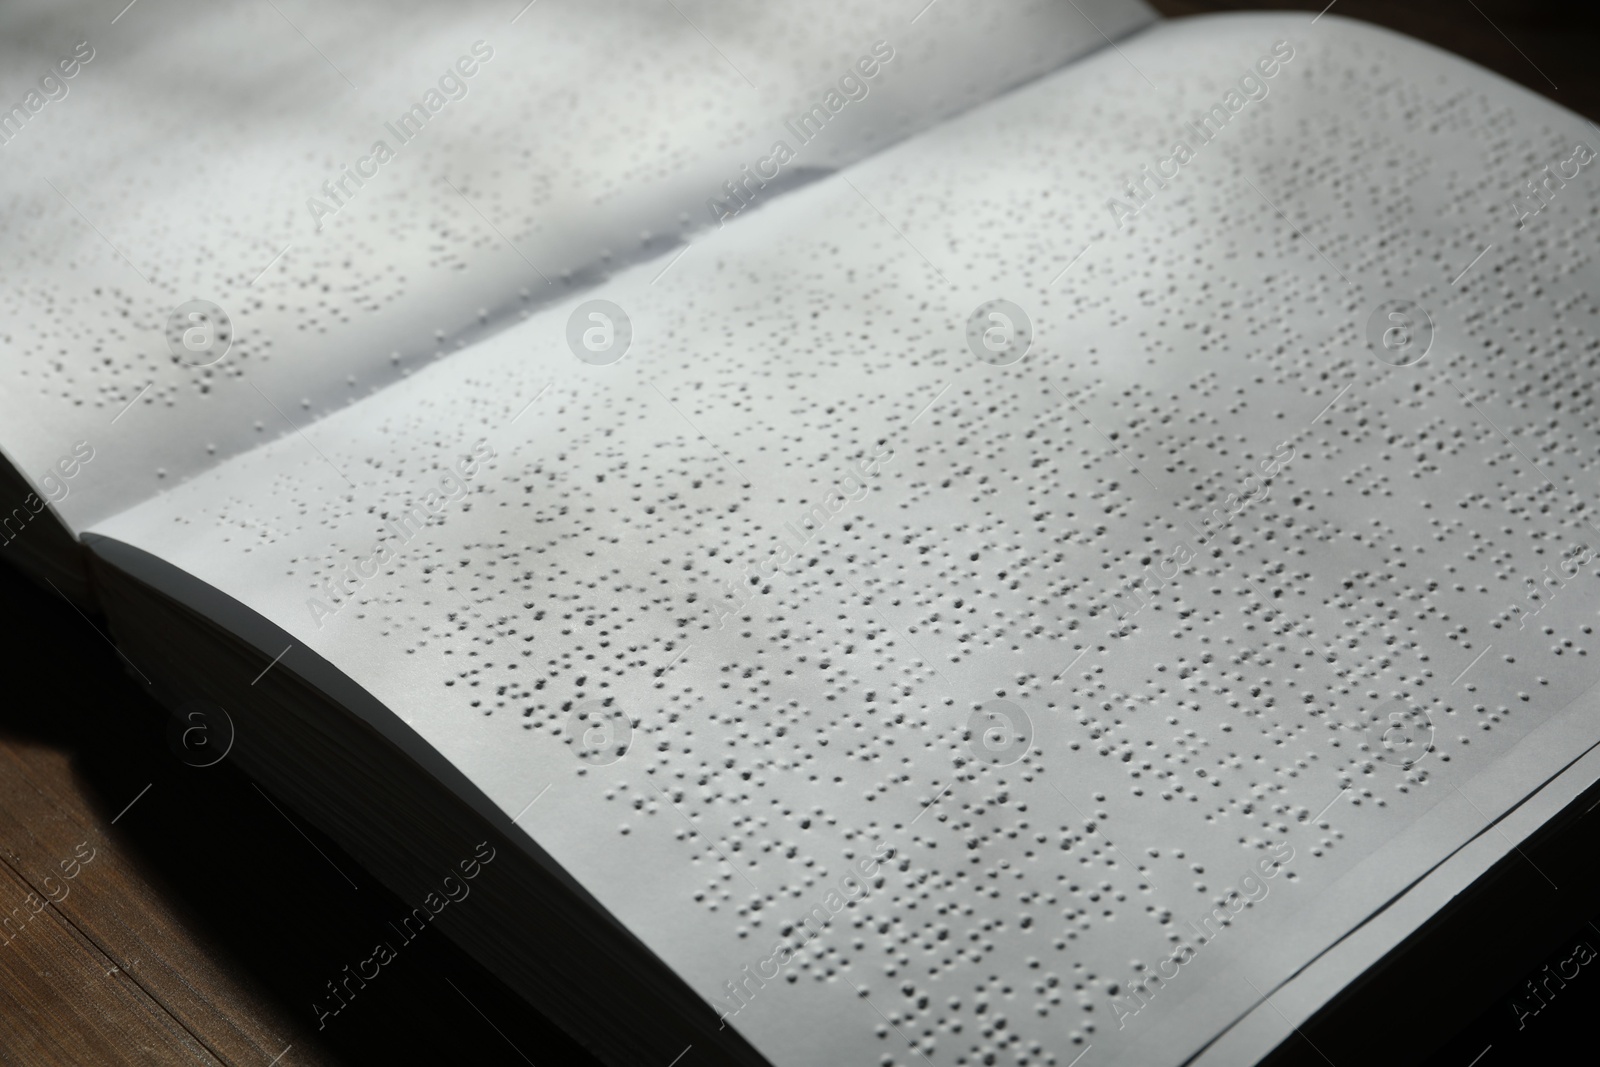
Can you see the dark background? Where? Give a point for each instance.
(255, 897)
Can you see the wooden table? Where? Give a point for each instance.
(153, 912)
(163, 913)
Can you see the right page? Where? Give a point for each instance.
(1027, 596)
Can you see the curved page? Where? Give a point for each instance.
(1025, 595)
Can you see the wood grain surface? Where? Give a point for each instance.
(104, 967)
(153, 912)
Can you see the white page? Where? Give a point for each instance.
(1262, 1030)
(186, 159)
(1168, 359)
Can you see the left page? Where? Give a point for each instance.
(222, 222)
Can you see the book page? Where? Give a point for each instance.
(1026, 595)
(226, 222)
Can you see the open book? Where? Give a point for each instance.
(1009, 532)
